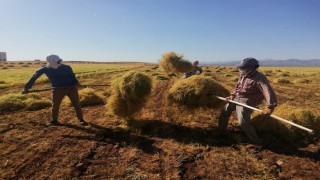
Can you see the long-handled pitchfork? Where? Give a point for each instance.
(273, 116)
(50, 88)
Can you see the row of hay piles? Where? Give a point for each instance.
(15, 102)
(171, 62)
(128, 94)
(197, 91)
(267, 126)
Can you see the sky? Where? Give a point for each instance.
(143, 30)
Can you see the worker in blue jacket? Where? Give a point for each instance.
(64, 83)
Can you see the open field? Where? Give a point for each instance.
(160, 142)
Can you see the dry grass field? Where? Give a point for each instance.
(161, 141)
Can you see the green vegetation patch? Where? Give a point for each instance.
(16, 102)
(128, 94)
(197, 91)
(171, 62)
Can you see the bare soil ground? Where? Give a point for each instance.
(158, 143)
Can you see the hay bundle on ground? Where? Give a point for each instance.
(171, 62)
(11, 102)
(197, 91)
(89, 97)
(270, 128)
(15, 102)
(306, 118)
(267, 126)
(36, 104)
(128, 94)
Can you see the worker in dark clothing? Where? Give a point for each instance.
(194, 70)
(64, 83)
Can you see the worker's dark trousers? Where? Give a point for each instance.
(243, 115)
(57, 96)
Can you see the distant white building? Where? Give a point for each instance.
(3, 56)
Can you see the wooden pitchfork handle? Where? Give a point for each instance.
(87, 85)
(273, 116)
(39, 90)
(50, 88)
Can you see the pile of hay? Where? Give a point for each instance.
(307, 119)
(128, 94)
(197, 91)
(36, 104)
(16, 102)
(171, 62)
(88, 97)
(266, 126)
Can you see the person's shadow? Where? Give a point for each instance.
(212, 137)
(103, 135)
(189, 135)
(139, 133)
(118, 136)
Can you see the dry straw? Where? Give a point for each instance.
(87, 97)
(171, 62)
(36, 104)
(15, 102)
(128, 94)
(266, 125)
(197, 91)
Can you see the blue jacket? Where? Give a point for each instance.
(63, 76)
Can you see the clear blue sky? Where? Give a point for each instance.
(142, 30)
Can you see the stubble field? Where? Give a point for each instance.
(162, 141)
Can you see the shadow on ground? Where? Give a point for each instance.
(139, 133)
(118, 136)
(211, 137)
(189, 135)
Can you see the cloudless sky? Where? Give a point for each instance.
(143, 30)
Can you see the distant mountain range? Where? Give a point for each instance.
(275, 63)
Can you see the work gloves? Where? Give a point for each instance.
(229, 98)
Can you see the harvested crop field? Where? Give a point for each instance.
(161, 141)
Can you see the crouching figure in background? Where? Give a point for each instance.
(194, 70)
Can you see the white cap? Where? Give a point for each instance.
(53, 58)
(53, 61)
